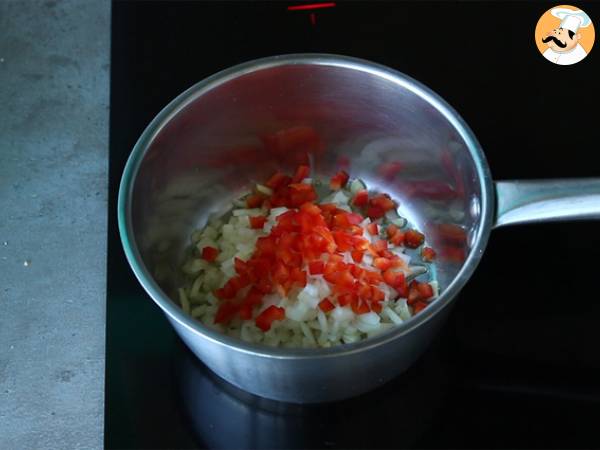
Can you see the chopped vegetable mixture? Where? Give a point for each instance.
(291, 269)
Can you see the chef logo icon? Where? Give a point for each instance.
(564, 35)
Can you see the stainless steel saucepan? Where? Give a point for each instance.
(221, 135)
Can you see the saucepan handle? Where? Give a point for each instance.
(527, 201)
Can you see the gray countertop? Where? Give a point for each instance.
(54, 78)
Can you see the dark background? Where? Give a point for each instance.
(517, 365)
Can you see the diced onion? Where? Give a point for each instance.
(356, 186)
(264, 190)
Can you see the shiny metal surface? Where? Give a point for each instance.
(406, 405)
(209, 145)
(543, 200)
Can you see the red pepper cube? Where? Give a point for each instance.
(316, 267)
(419, 306)
(413, 239)
(375, 212)
(380, 246)
(357, 256)
(277, 180)
(302, 172)
(226, 312)
(382, 201)
(428, 254)
(393, 279)
(210, 253)
(257, 222)
(339, 180)
(373, 229)
(266, 318)
(361, 198)
(382, 263)
(326, 305)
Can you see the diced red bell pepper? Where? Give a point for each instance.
(310, 208)
(298, 276)
(343, 240)
(253, 297)
(359, 306)
(280, 273)
(398, 238)
(375, 212)
(402, 289)
(398, 263)
(226, 292)
(392, 230)
(347, 299)
(326, 305)
(418, 291)
(335, 259)
(239, 282)
(345, 219)
(428, 254)
(302, 172)
(341, 278)
(241, 267)
(316, 267)
(298, 196)
(373, 229)
(226, 312)
(357, 256)
(356, 271)
(245, 311)
(419, 306)
(425, 290)
(413, 239)
(326, 234)
(382, 263)
(377, 294)
(301, 187)
(209, 253)
(387, 254)
(257, 222)
(356, 230)
(330, 208)
(266, 246)
(264, 286)
(380, 246)
(376, 307)
(266, 318)
(372, 277)
(361, 198)
(382, 201)
(393, 279)
(277, 180)
(254, 200)
(365, 292)
(339, 180)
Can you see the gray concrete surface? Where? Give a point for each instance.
(54, 85)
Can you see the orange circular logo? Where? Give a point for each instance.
(564, 35)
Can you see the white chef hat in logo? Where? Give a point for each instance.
(570, 19)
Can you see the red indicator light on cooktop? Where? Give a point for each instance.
(308, 6)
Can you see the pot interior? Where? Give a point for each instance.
(222, 136)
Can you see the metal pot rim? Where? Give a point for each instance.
(184, 99)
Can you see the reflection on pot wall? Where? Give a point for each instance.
(224, 416)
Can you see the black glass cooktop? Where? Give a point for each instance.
(517, 364)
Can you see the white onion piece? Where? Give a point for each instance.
(356, 186)
(264, 189)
